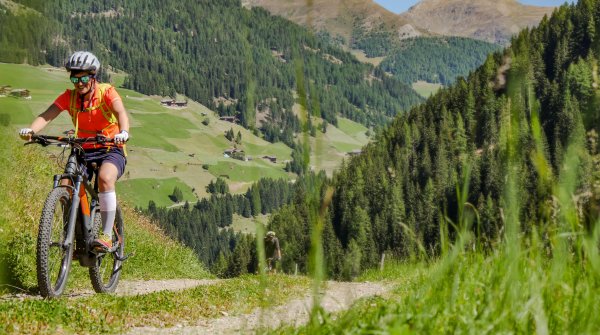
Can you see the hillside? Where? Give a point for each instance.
(436, 59)
(339, 17)
(392, 43)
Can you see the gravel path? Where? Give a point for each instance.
(338, 296)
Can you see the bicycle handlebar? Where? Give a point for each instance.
(46, 140)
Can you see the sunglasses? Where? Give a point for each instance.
(84, 79)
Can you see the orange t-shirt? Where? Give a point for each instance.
(110, 96)
(91, 121)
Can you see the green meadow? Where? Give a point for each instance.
(426, 89)
(142, 190)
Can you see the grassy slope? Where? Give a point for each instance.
(169, 146)
(426, 89)
(248, 225)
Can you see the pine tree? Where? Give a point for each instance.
(177, 195)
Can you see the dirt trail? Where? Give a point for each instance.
(135, 287)
(125, 288)
(338, 296)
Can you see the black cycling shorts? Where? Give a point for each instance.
(113, 155)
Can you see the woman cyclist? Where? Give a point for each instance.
(95, 109)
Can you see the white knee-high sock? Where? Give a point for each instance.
(108, 210)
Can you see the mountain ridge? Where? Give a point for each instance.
(488, 20)
(467, 18)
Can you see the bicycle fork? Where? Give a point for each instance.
(75, 202)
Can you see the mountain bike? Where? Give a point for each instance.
(71, 220)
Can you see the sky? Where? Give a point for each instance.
(399, 6)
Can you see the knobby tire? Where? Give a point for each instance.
(53, 258)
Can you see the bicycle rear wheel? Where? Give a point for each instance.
(107, 271)
(53, 256)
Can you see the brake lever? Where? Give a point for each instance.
(39, 141)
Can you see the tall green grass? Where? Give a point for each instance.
(545, 282)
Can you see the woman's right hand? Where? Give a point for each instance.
(26, 133)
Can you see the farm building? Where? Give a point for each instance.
(231, 119)
(173, 103)
(20, 93)
(273, 159)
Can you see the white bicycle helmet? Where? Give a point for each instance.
(83, 61)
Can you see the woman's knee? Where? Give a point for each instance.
(107, 177)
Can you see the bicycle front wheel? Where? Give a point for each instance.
(53, 254)
(107, 271)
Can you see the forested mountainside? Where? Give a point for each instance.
(436, 59)
(229, 58)
(205, 226)
(489, 146)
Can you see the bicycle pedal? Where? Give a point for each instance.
(100, 250)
